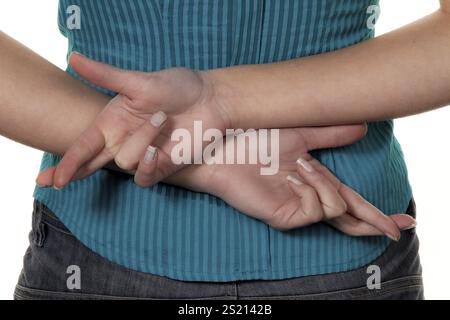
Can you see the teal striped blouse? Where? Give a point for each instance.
(191, 236)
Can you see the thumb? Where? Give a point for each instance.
(333, 137)
(103, 75)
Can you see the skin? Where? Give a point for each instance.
(415, 78)
(24, 118)
(44, 126)
(124, 129)
(401, 73)
(406, 74)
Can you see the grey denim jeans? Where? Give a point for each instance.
(55, 258)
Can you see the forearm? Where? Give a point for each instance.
(401, 73)
(45, 108)
(40, 105)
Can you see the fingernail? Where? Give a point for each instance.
(393, 238)
(306, 165)
(56, 188)
(410, 227)
(294, 180)
(78, 53)
(158, 119)
(41, 186)
(150, 155)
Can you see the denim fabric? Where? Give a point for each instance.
(53, 249)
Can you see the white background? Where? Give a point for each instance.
(424, 140)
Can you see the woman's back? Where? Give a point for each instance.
(170, 231)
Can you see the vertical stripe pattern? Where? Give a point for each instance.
(190, 236)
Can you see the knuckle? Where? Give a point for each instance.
(276, 223)
(342, 207)
(71, 157)
(352, 228)
(125, 163)
(314, 217)
(142, 181)
(338, 209)
(279, 222)
(309, 191)
(314, 212)
(317, 178)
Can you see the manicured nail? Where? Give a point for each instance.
(78, 53)
(41, 186)
(158, 119)
(150, 155)
(306, 165)
(294, 180)
(56, 188)
(414, 225)
(393, 238)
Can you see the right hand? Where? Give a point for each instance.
(136, 118)
(286, 205)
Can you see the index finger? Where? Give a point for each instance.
(359, 207)
(85, 148)
(363, 210)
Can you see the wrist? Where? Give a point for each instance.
(225, 96)
(198, 178)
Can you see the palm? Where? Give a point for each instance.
(272, 200)
(117, 123)
(273, 193)
(181, 93)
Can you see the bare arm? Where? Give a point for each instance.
(40, 105)
(404, 72)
